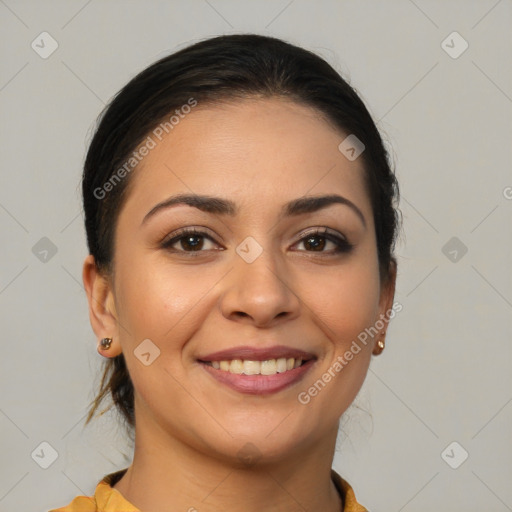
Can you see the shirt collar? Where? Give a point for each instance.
(109, 499)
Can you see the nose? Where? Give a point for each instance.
(260, 293)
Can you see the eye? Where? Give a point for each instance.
(189, 239)
(192, 240)
(318, 239)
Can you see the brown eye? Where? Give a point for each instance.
(188, 240)
(192, 242)
(316, 241)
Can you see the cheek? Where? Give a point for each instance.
(347, 301)
(346, 305)
(161, 300)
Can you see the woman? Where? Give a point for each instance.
(241, 220)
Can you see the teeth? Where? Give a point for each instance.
(248, 367)
(268, 367)
(252, 367)
(281, 365)
(237, 366)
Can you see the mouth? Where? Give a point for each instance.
(258, 371)
(253, 367)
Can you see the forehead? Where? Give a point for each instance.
(250, 149)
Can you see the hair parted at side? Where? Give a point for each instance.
(222, 68)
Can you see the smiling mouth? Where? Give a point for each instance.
(251, 367)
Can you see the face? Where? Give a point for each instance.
(254, 278)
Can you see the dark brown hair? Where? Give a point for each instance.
(223, 68)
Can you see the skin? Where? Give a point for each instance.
(259, 153)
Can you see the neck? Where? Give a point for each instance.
(168, 475)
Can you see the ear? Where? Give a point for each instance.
(102, 311)
(387, 296)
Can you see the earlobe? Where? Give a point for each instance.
(102, 313)
(386, 306)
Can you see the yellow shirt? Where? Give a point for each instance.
(108, 499)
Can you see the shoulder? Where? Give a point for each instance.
(80, 503)
(105, 499)
(350, 504)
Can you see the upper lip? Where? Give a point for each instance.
(257, 354)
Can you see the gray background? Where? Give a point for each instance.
(445, 374)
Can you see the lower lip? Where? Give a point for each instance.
(259, 384)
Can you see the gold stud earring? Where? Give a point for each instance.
(105, 343)
(381, 344)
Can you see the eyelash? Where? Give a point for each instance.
(342, 245)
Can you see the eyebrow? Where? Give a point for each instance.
(220, 206)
